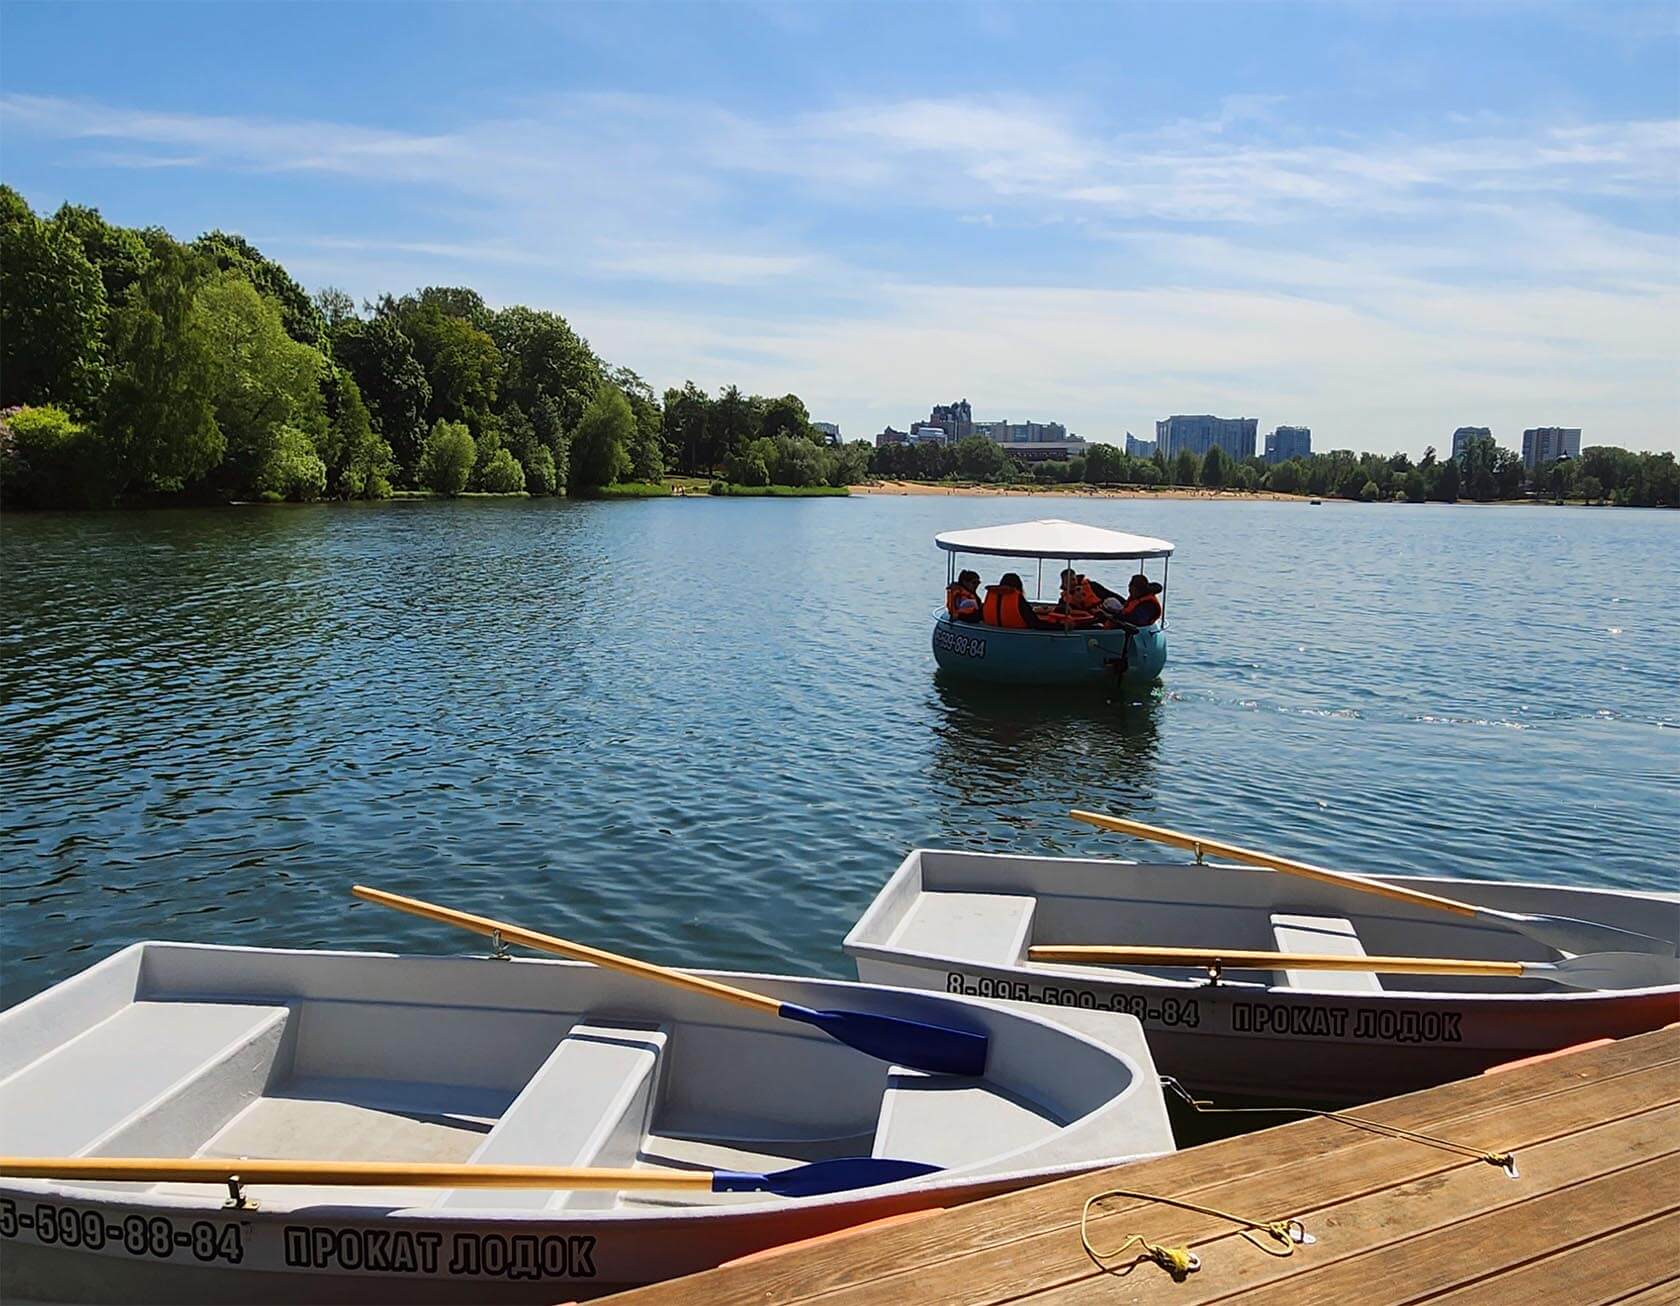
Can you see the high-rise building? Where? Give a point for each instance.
(830, 431)
(1199, 433)
(1007, 432)
(956, 420)
(1136, 448)
(890, 436)
(1288, 442)
(928, 433)
(1546, 444)
(1465, 434)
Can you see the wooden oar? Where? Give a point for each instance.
(812, 1180)
(940, 1049)
(1596, 970)
(1565, 933)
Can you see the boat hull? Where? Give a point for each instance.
(354, 1056)
(1245, 1038)
(1048, 657)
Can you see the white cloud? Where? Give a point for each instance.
(1380, 288)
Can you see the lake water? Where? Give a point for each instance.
(705, 731)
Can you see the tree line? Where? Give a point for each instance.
(1482, 472)
(137, 367)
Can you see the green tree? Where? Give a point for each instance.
(359, 463)
(647, 446)
(463, 366)
(291, 468)
(1216, 468)
(380, 357)
(598, 446)
(502, 474)
(1370, 492)
(300, 317)
(49, 460)
(1103, 464)
(1591, 488)
(729, 426)
(1446, 483)
(447, 458)
(851, 463)
(540, 473)
(118, 254)
(749, 467)
(785, 416)
(544, 359)
(452, 301)
(336, 307)
(159, 413)
(52, 313)
(1187, 468)
(980, 459)
(1284, 477)
(261, 379)
(686, 415)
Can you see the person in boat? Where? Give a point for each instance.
(1006, 605)
(1081, 594)
(962, 599)
(1141, 607)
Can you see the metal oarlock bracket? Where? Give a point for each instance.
(498, 947)
(237, 1201)
(1215, 969)
(1196, 846)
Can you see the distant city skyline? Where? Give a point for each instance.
(1384, 221)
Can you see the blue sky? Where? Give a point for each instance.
(1383, 221)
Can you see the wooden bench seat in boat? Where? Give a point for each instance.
(589, 1104)
(936, 1118)
(154, 1078)
(992, 927)
(1325, 936)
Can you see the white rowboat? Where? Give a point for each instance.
(238, 1054)
(962, 923)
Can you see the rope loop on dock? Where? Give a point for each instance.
(1180, 1262)
(1506, 1161)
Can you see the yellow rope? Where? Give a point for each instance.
(1181, 1261)
(1506, 1161)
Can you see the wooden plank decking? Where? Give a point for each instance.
(1594, 1215)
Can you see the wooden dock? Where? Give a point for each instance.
(1593, 1216)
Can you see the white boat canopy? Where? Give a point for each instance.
(1053, 538)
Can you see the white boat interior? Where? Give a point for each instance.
(942, 907)
(183, 1050)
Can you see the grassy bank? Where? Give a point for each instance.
(778, 491)
(627, 490)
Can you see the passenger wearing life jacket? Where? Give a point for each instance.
(1006, 605)
(962, 599)
(1080, 594)
(1141, 607)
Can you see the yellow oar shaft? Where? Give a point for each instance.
(563, 947)
(1244, 959)
(156, 1170)
(1235, 853)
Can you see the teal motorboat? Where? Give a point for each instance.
(1103, 652)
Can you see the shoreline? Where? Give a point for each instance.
(1074, 490)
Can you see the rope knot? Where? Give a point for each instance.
(1180, 1262)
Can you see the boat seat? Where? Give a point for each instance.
(949, 1121)
(156, 1077)
(991, 927)
(1323, 935)
(589, 1103)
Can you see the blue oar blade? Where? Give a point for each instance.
(837, 1176)
(938, 1049)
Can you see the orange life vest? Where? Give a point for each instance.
(1081, 597)
(1129, 613)
(961, 603)
(1003, 608)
